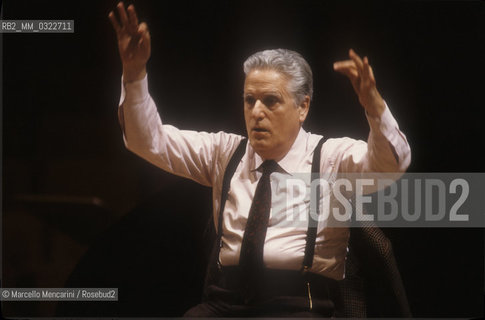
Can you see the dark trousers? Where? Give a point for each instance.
(281, 293)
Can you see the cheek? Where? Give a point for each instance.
(281, 126)
(290, 125)
(289, 119)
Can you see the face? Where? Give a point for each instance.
(272, 118)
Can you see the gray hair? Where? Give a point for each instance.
(288, 62)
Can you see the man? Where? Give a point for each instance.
(260, 255)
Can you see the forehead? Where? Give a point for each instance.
(265, 80)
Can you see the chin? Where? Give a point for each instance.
(260, 146)
(264, 151)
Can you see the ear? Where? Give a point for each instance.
(303, 109)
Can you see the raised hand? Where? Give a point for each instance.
(362, 78)
(133, 42)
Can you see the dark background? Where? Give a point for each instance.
(69, 184)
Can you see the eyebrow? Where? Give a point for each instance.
(270, 92)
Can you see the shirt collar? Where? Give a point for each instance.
(287, 163)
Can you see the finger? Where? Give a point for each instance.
(132, 17)
(365, 73)
(142, 29)
(347, 69)
(351, 73)
(122, 14)
(368, 73)
(344, 64)
(144, 34)
(114, 22)
(358, 61)
(371, 75)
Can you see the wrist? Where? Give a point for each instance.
(375, 107)
(134, 74)
(377, 110)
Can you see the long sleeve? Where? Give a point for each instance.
(386, 150)
(199, 156)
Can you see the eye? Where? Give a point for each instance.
(249, 100)
(270, 101)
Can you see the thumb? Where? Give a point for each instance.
(143, 32)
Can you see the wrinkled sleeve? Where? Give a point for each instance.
(386, 149)
(186, 153)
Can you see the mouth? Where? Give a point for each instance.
(260, 130)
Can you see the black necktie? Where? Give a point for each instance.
(251, 258)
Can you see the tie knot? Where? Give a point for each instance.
(269, 166)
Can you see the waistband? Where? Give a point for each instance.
(278, 283)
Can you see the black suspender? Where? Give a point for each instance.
(226, 182)
(312, 223)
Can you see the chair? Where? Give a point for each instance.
(372, 286)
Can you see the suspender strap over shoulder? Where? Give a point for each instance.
(226, 182)
(313, 223)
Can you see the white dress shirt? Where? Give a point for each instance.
(203, 157)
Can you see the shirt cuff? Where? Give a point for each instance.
(135, 91)
(384, 124)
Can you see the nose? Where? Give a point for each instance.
(258, 110)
